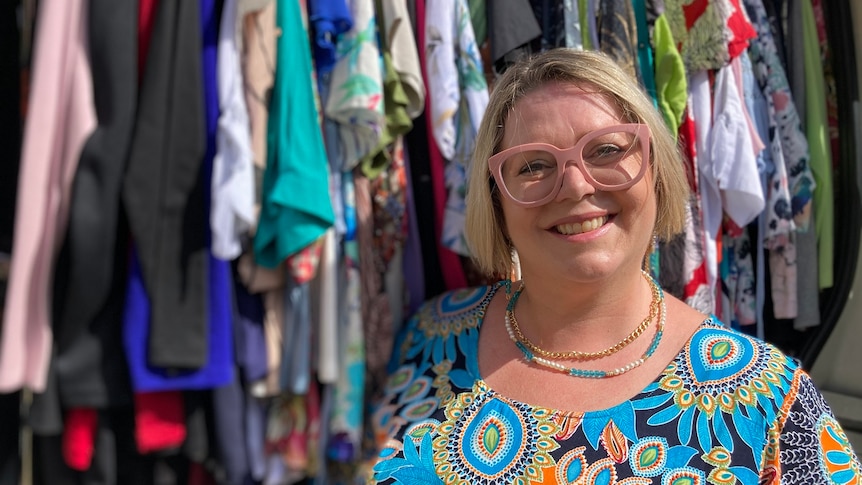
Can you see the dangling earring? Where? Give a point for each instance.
(650, 261)
(515, 272)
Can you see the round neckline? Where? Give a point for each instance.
(473, 360)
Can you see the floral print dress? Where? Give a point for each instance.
(728, 409)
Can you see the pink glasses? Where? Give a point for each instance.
(611, 158)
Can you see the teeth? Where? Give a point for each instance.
(586, 226)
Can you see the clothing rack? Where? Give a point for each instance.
(804, 345)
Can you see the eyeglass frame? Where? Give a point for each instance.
(564, 156)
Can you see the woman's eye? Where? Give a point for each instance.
(535, 166)
(606, 150)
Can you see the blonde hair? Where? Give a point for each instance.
(485, 227)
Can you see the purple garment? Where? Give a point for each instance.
(255, 436)
(328, 19)
(250, 338)
(228, 414)
(414, 276)
(218, 369)
(591, 22)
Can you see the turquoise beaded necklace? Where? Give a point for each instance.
(574, 372)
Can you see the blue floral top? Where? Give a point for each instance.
(728, 409)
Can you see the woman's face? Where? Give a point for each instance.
(583, 234)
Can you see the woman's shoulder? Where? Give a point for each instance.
(716, 348)
(463, 304)
(444, 319)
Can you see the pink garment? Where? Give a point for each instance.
(756, 141)
(450, 262)
(60, 118)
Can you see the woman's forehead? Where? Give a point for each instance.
(560, 106)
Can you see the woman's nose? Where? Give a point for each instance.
(574, 183)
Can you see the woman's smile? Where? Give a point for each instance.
(579, 228)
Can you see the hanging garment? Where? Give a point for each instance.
(817, 134)
(589, 23)
(737, 275)
(326, 310)
(710, 33)
(671, 84)
(218, 367)
(411, 263)
(378, 328)
(258, 73)
(232, 211)
(798, 61)
(296, 209)
(11, 117)
(355, 97)
(645, 49)
(397, 122)
(92, 265)
(733, 169)
(449, 264)
(829, 75)
(551, 17)
(401, 44)
(618, 36)
(512, 26)
(328, 20)
(573, 25)
(794, 146)
(162, 190)
(459, 95)
(710, 202)
(790, 156)
(347, 412)
(61, 116)
(757, 111)
(695, 289)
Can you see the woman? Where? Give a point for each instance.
(584, 370)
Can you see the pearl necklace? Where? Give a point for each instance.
(592, 374)
(576, 355)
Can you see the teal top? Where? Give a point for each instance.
(295, 204)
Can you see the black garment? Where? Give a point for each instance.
(10, 424)
(163, 189)
(423, 200)
(115, 457)
(91, 368)
(512, 26)
(89, 280)
(618, 37)
(551, 16)
(10, 122)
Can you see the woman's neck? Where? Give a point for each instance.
(584, 316)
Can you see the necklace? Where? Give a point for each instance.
(512, 322)
(592, 374)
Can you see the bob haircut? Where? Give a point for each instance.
(485, 228)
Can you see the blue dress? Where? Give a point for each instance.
(728, 409)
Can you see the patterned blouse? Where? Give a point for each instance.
(728, 409)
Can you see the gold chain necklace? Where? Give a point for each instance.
(599, 374)
(516, 334)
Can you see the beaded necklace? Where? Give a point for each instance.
(576, 355)
(530, 356)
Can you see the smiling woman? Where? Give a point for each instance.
(585, 371)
